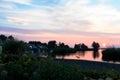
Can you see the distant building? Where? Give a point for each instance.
(37, 48)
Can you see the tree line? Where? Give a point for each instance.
(12, 45)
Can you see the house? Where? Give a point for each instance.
(37, 48)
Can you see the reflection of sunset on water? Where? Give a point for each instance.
(87, 55)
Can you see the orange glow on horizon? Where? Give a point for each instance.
(71, 40)
(104, 45)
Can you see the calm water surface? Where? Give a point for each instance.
(87, 55)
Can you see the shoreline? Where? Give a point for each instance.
(94, 65)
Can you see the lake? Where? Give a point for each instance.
(86, 55)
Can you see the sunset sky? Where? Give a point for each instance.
(69, 21)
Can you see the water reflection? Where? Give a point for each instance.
(96, 54)
(83, 55)
(79, 54)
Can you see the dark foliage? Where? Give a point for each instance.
(11, 37)
(14, 47)
(95, 46)
(3, 38)
(81, 47)
(63, 51)
(111, 54)
(52, 44)
(36, 68)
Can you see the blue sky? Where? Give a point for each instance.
(46, 20)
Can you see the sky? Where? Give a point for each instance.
(68, 21)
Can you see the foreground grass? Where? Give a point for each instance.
(13, 67)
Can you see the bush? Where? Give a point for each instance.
(57, 71)
(111, 54)
(62, 51)
(35, 68)
(14, 47)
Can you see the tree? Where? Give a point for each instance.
(77, 46)
(52, 44)
(11, 37)
(14, 47)
(83, 46)
(3, 38)
(62, 45)
(95, 46)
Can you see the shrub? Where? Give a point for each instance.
(14, 47)
(111, 54)
(35, 68)
(57, 71)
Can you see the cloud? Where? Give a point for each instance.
(6, 6)
(104, 1)
(26, 2)
(17, 20)
(104, 19)
(68, 36)
(70, 21)
(57, 32)
(100, 16)
(68, 15)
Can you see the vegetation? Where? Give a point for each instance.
(29, 68)
(60, 49)
(9, 45)
(95, 46)
(14, 65)
(81, 47)
(3, 38)
(36, 68)
(62, 52)
(14, 47)
(111, 54)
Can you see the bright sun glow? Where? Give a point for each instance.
(103, 44)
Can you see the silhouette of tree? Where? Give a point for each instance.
(11, 37)
(14, 47)
(35, 43)
(95, 54)
(77, 46)
(95, 46)
(62, 45)
(52, 44)
(83, 46)
(3, 38)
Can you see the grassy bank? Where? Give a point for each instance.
(35, 68)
